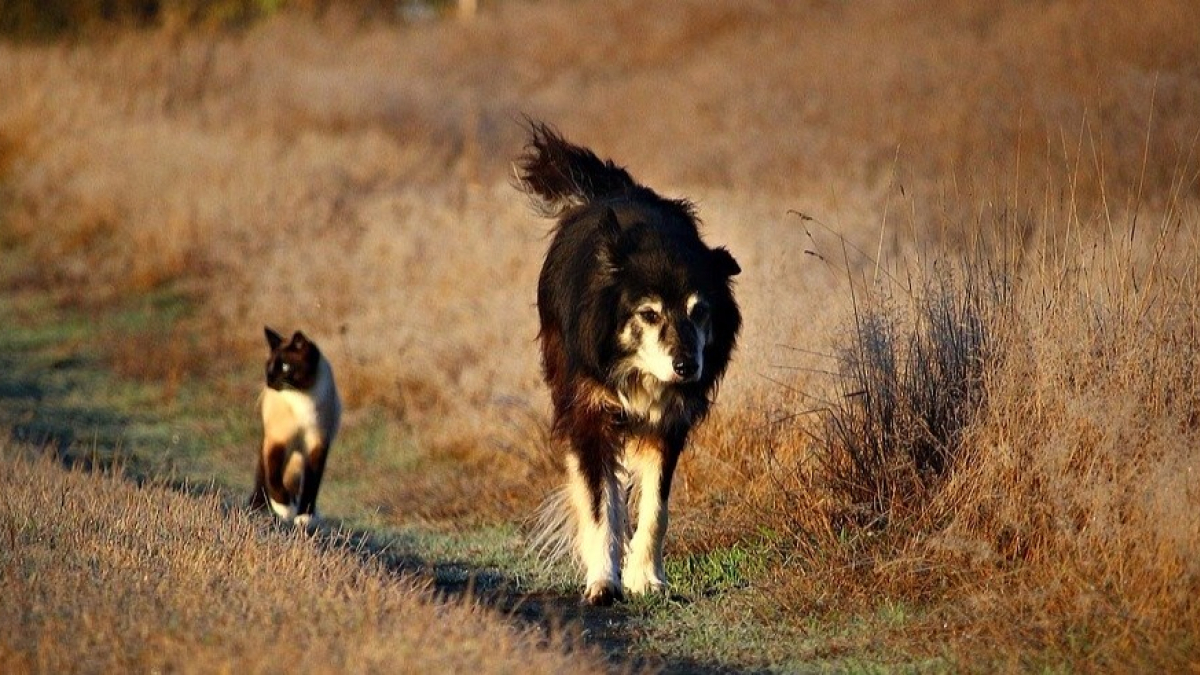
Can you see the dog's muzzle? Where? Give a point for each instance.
(686, 367)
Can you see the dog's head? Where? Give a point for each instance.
(292, 364)
(675, 317)
(665, 338)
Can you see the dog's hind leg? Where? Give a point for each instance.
(600, 520)
(645, 460)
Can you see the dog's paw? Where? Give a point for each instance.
(602, 594)
(648, 587)
(305, 521)
(644, 581)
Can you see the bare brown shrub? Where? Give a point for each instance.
(909, 383)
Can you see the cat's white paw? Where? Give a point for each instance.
(284, 511)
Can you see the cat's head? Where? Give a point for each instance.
(291, 365)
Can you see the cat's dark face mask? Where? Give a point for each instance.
(291, 365)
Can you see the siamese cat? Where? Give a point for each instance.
(300, 414)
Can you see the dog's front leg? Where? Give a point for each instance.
(647, 463)
(600, 521)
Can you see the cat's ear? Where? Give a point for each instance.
(299, 341)
(273, 339)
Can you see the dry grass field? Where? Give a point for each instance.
(104, 576)
(965, 412)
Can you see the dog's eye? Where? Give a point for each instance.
(649, 316)
(700, 313)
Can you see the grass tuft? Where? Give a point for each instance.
(909, 381)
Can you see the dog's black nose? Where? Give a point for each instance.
(686, 367)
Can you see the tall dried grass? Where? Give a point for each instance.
(1080, 479)
(1021, 448)
(905, 393)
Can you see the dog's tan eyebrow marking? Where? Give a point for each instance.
(650, 302)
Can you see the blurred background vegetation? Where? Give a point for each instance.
(39, 20)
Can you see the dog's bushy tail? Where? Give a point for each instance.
(553, 530)
(559, 175)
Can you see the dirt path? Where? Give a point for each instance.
(610, 629)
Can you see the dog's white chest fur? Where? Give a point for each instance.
(644, 398)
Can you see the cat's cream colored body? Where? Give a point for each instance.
(304, 422)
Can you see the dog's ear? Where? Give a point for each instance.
(724, 263)
(591, 341)
(273, 339)
(610, 235)
(610, 227)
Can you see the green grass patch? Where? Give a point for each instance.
(55, 392)
(717, 571)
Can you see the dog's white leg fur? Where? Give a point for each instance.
(643, 571)
(600, 543)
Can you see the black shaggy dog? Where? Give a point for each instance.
(638, 322)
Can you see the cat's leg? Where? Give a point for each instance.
(275, 459)
(314, 471)
(258, 498)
